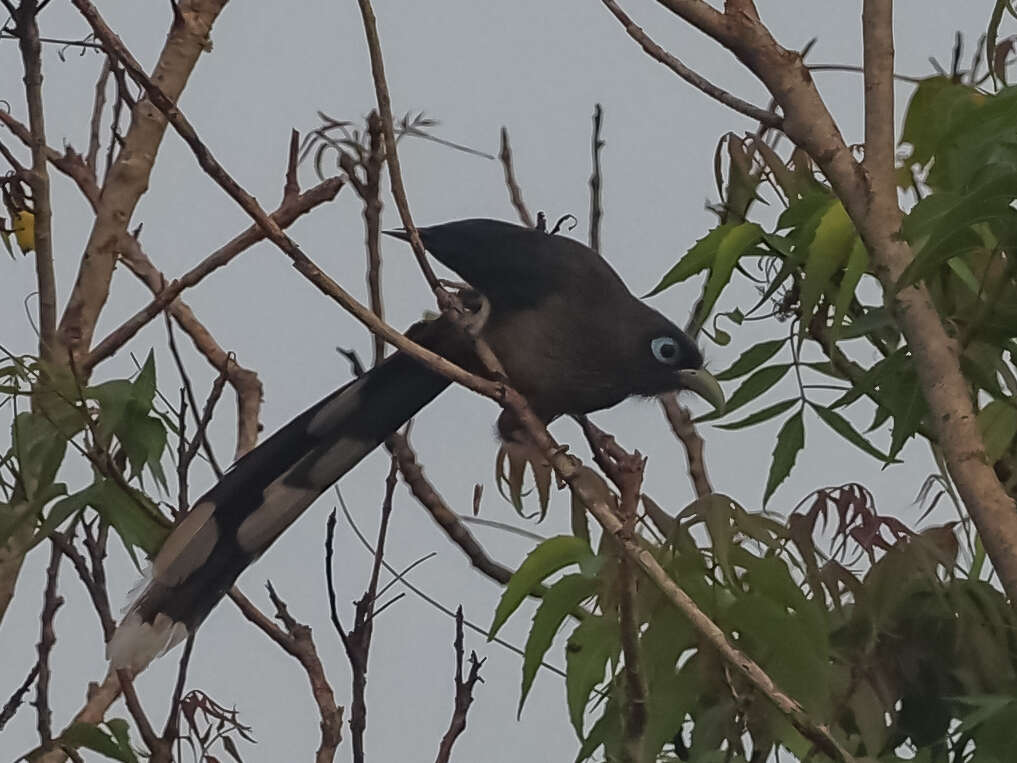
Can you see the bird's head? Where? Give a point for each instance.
(668, 360)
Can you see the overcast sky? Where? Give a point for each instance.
(537, 68)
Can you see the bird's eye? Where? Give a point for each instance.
(665, 349)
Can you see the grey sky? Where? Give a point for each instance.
(538, 68)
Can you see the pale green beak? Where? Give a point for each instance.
(704, 384)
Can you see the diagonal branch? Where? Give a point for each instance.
(26, 28)
(128, 177)
(515, 195)
(695, 79)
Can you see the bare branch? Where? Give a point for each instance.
(297, 642)
(515, 195)
(680, 420)
(463, 692)
(369, 191)
(96, 590)
(596, 208)
(26, 29)
(877, 26)
(92, 156)
(160, 751)
(51, 602)
(391, 155)
(440, 512)
(129, 174)
(699, 82)
(284, 216)
(11, 706)
(172, 728)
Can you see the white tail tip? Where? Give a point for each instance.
(136, 643)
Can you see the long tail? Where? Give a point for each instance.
(264, 493)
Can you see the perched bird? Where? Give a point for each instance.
(569, 334)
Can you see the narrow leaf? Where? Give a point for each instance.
(758, 383)
(751, 359)
(843, 427)
(760, 416)
(790, 440)
(559, 600)
(549, 557)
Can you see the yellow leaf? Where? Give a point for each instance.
(24, 230)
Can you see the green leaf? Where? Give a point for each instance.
(804, 209)
(762, 415)
(95, 739)
(39, 442)
(790, 440)
(133, 515)
(697, 259)
(758, 383)
(843, 427)
(829, 249)
(144, 440)
(997, 423)
(939, 226)
(61, 510)
(114, 398)
(143, 386)
(607, 731)
(121, 730)
(922, 122)
(591, 645)
(549, 557)
(857, 266)
(559, 600)
(751, 359)
(737, 241)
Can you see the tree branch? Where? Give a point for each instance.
(27, 31)
(680, 420)
(128, 177)
(515, 195)
(463, 692)
(699, 82)
(391, 155)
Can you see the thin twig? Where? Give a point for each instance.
(463, 696)
(400, 577)
(440, 512)
(768, 118)
(172, 728)
(297, 642)
(859, 70)
(596, 208)
(680, 420)
(92, 155)
(200, 436)
(11, 706)
(284, 216)
(156, 746)
(515, 195)
(391, 155)
(26, 28)
(97, 592)
(51, 602)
